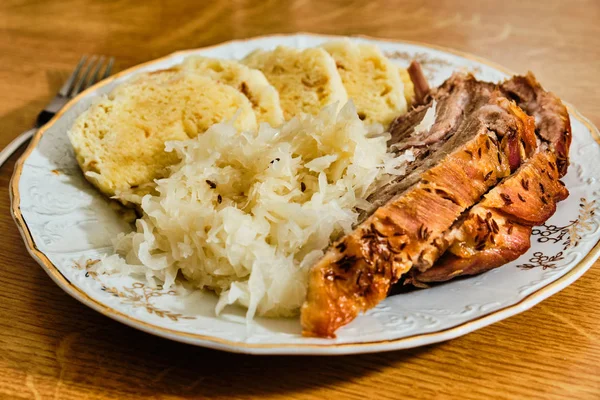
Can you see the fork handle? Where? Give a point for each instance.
(15, 144)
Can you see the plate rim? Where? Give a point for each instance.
(287, 349)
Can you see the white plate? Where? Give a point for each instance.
(64, 222)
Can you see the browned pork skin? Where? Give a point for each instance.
(475, 147)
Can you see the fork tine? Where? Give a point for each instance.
(83, 77)
(108, 68)
(94, 76)
(66, 87)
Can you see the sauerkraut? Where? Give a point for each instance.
(246, 214)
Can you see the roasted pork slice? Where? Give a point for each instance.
(476, 243)
(498, 229)
(450, 109)
(475, 138)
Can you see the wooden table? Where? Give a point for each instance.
(53, 347)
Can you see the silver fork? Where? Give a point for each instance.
(89, 70)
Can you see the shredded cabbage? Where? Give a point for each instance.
(247, 214)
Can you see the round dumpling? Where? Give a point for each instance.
(307, 80)
(119, 141)
(371, 80)
(250, 82)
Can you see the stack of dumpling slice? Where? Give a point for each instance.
(120, 140)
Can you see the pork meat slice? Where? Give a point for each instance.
(480, 137)
(457, 101)
(498, 230)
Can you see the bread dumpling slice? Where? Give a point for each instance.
(371, 80)
(307, 80)
(250, 82)
(119, 141)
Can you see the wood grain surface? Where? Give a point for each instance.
(52, 347)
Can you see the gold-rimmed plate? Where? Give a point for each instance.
(67, 225)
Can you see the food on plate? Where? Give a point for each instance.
(119, 141)
(473, 137)
(250, 82)
(307, 80)
(419, 217)
(246, 214)
(370, 79)
(325, 206)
